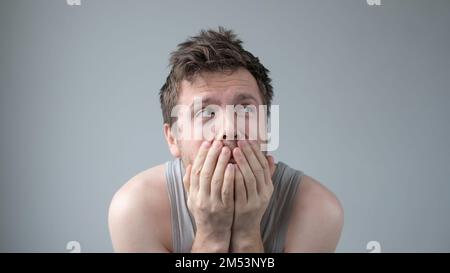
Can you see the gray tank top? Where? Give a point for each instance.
(273, 224)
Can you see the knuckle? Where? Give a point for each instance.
(207, 175)
(226, 192)
(267, 196)
(251, 181)
(259, 172)
(201, 204)
(252, 206)
(265, 199)
(215, 181)
(229, 209)
(196, 171)
(215, 209)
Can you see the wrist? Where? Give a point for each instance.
(248, 231)
(211, 241)
(247, 241)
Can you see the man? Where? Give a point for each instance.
(222, 193)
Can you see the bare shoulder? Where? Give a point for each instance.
(317, 219)
(139, 214)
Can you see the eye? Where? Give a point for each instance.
(206, 112)
(245, 109)
(249, 109)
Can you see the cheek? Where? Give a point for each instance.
(189, 149)
(255, 129)
(200, 130)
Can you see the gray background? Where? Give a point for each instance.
(364, 95)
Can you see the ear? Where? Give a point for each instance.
(171, 140)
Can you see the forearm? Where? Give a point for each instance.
(211, 242)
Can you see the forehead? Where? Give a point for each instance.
(221, 85)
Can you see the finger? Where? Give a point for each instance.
(198, 164)
(249, 178)
(259, 154)
(271, 162)
(263, 161)
(240, 193)
(208, 168)
(254, 163)
(228, 185)
(187, 179)
(217, 179)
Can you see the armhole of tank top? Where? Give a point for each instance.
(284, 222)
(268, 221)
(173, 213)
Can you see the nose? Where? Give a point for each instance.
(230, 142)
(228, 132)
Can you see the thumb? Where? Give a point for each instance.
(187, 178)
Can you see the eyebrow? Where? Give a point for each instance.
(206, 100)
(243, 96)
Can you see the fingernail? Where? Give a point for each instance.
(206, 144)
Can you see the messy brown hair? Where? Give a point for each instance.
(210, 51)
